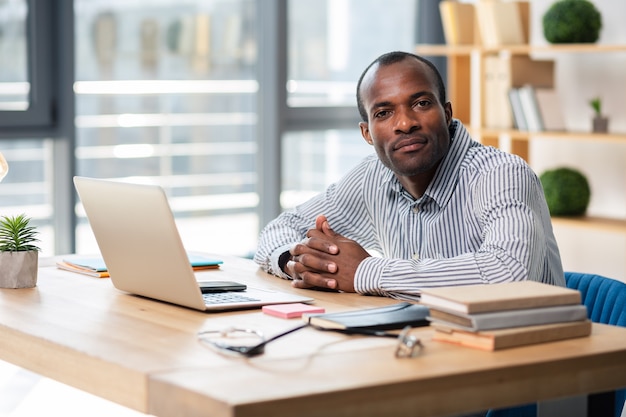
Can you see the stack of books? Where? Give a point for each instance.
(498, 316)
(93, 265)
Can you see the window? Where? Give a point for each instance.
(166, 94)
(28, 97)
(330, 43)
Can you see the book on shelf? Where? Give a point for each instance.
(497, 76)
(503, 73)
(458, 22)
(501, 22)
(395, 316)
(482, 298)
(550, 109)
(491, 340)
(94, 265)
(508, 318)
(530, 108)
(519, 121)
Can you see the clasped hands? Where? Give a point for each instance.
(324, 259)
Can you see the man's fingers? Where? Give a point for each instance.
(318, 241)
(315, 263)
(311, 279)
(319, 221)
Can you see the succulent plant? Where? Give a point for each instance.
(596, 105)
(16, 235)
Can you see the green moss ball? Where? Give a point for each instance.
(567, 191)
(572, 21)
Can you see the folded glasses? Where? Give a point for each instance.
(248, 342)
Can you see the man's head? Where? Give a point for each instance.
(391, 58)
(402, 100)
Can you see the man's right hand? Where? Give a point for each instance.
(325, 259)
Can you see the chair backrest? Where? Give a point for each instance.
(605, 298)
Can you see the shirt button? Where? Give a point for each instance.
(416, 256)
(416, 209)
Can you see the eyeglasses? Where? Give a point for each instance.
(250, 342)
(409, 346)
(243, 341)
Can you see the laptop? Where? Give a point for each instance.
(138, 239)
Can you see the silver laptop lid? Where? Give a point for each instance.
(138, 239)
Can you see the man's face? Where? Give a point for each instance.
(407, 124)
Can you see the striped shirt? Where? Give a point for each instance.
(483, 219)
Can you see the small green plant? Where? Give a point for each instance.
(567, 191)
(596, 105)
(16, 235)
(572, 21)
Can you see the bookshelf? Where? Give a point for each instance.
(466, 88)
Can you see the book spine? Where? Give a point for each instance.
(516, 109)
(530, 108)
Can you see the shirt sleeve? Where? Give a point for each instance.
(341, 203)
(507, 204)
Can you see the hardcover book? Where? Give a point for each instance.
(530, 108)
(458, 21)
(501, 22)
(483, 298)
(396, 316)
(511, 337)
(509, 318)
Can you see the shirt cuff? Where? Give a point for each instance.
(368, 275)
(275, 257)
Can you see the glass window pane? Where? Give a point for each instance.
(330, 43)
(26, 188)
(166, 94)
(14, 83)
(317, 159)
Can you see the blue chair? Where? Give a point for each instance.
(605, 299)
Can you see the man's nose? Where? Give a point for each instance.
(406, 120)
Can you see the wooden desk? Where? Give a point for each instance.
(145, 355)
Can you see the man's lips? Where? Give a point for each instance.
(409, 144)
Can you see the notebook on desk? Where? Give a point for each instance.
(144, 254)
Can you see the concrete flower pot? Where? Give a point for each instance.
(18, 269)
(600, 124)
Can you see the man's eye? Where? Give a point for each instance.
(382, 113)
(423, 103)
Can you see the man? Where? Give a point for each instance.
(441, 208)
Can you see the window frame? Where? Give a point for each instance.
(50, 44)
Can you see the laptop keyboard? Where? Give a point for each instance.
(226, 297)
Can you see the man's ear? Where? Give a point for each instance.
(365, 132)
(448, 109)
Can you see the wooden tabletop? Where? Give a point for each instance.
(146, 355)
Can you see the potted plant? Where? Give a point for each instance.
(567, 191)
(600, 122)
(572, 21)
(19, 255)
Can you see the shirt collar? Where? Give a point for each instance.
(446, 177)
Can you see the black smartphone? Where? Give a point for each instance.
(220, 286)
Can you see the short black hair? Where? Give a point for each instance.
(391, 58)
